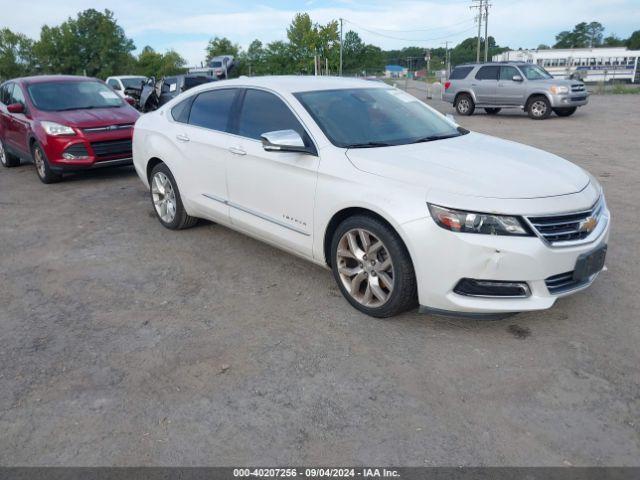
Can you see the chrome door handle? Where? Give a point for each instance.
(182, 138)
(237, 151)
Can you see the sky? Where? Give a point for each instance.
(187, 25)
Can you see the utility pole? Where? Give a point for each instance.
(340, 47)
(446, 57)
(479, 18)
(486, 23)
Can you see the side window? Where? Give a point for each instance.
(18, 96)
(180, 112)
(5, 93)
(459, 73)
(487, 73)
(264, 112)
(507, 73)
(113, 83)
(212, 109)
(169, 85)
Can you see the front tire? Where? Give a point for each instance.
(372, 267)
(465, 105)
(539, 108)
(7, 159)
(45, 174)
(492, 111)
(565, 112)
(166, 200)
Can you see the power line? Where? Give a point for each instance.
(422, 40)
(421, 29)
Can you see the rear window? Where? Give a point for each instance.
(459, 73)
(488, 73)
(180, 112)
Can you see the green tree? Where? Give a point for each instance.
(221, 46)
(92, 44)
(613, 41)
(542, 46)
(633, 42)
(16, 54)
(152, 63)
(252, 62)
(308, 40)
(583, 35)
(278, 58)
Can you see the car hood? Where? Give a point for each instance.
(97, 117)
(476, 165)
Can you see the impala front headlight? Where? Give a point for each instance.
(474, 222)
(55, 129)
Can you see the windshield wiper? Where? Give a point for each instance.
(431, 138)
(369, 145)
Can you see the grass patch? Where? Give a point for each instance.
(625, 90)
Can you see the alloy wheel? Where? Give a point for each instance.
(365, 267)
(539, 108)
(3, 155)
(463, 105)
(164, 197)
(39, 161)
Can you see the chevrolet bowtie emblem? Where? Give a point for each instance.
(588, 224)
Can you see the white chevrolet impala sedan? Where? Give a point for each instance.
(404, 206)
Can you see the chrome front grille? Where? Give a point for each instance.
(568, 228)
(108, 128)
(577, 88)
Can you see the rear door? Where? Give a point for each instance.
(485, 84)
(271, 194)
(200, 133)
(509, 92)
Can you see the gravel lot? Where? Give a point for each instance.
(123, 343)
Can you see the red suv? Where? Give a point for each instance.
(64, 123)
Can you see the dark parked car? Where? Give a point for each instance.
(154, 94)
(64, 123)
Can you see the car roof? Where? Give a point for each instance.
(51, 78)
(127, 76)
(297, 83)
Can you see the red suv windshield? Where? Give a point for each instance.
(58, 96)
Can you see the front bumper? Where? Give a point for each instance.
(441, 258)
(569, 100)
(83, 152)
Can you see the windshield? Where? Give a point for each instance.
(56, 96)
(133, 82)
(534, 72)
(374, 117)
(216, 64)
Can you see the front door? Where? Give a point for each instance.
(510, 92)
(271, 194)
(18, 123)
(485, 84)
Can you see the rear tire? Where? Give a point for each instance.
(565, 112)
(465, 105)
(539, 108)
(45, 174)
(7, 159)
(492, 111)
(376, 274)
(166, 200)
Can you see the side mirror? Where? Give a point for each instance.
(284, 141)
(15, 108)
(517, 78)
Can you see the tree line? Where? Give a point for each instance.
(93, 44)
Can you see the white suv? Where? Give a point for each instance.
(403, 205)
